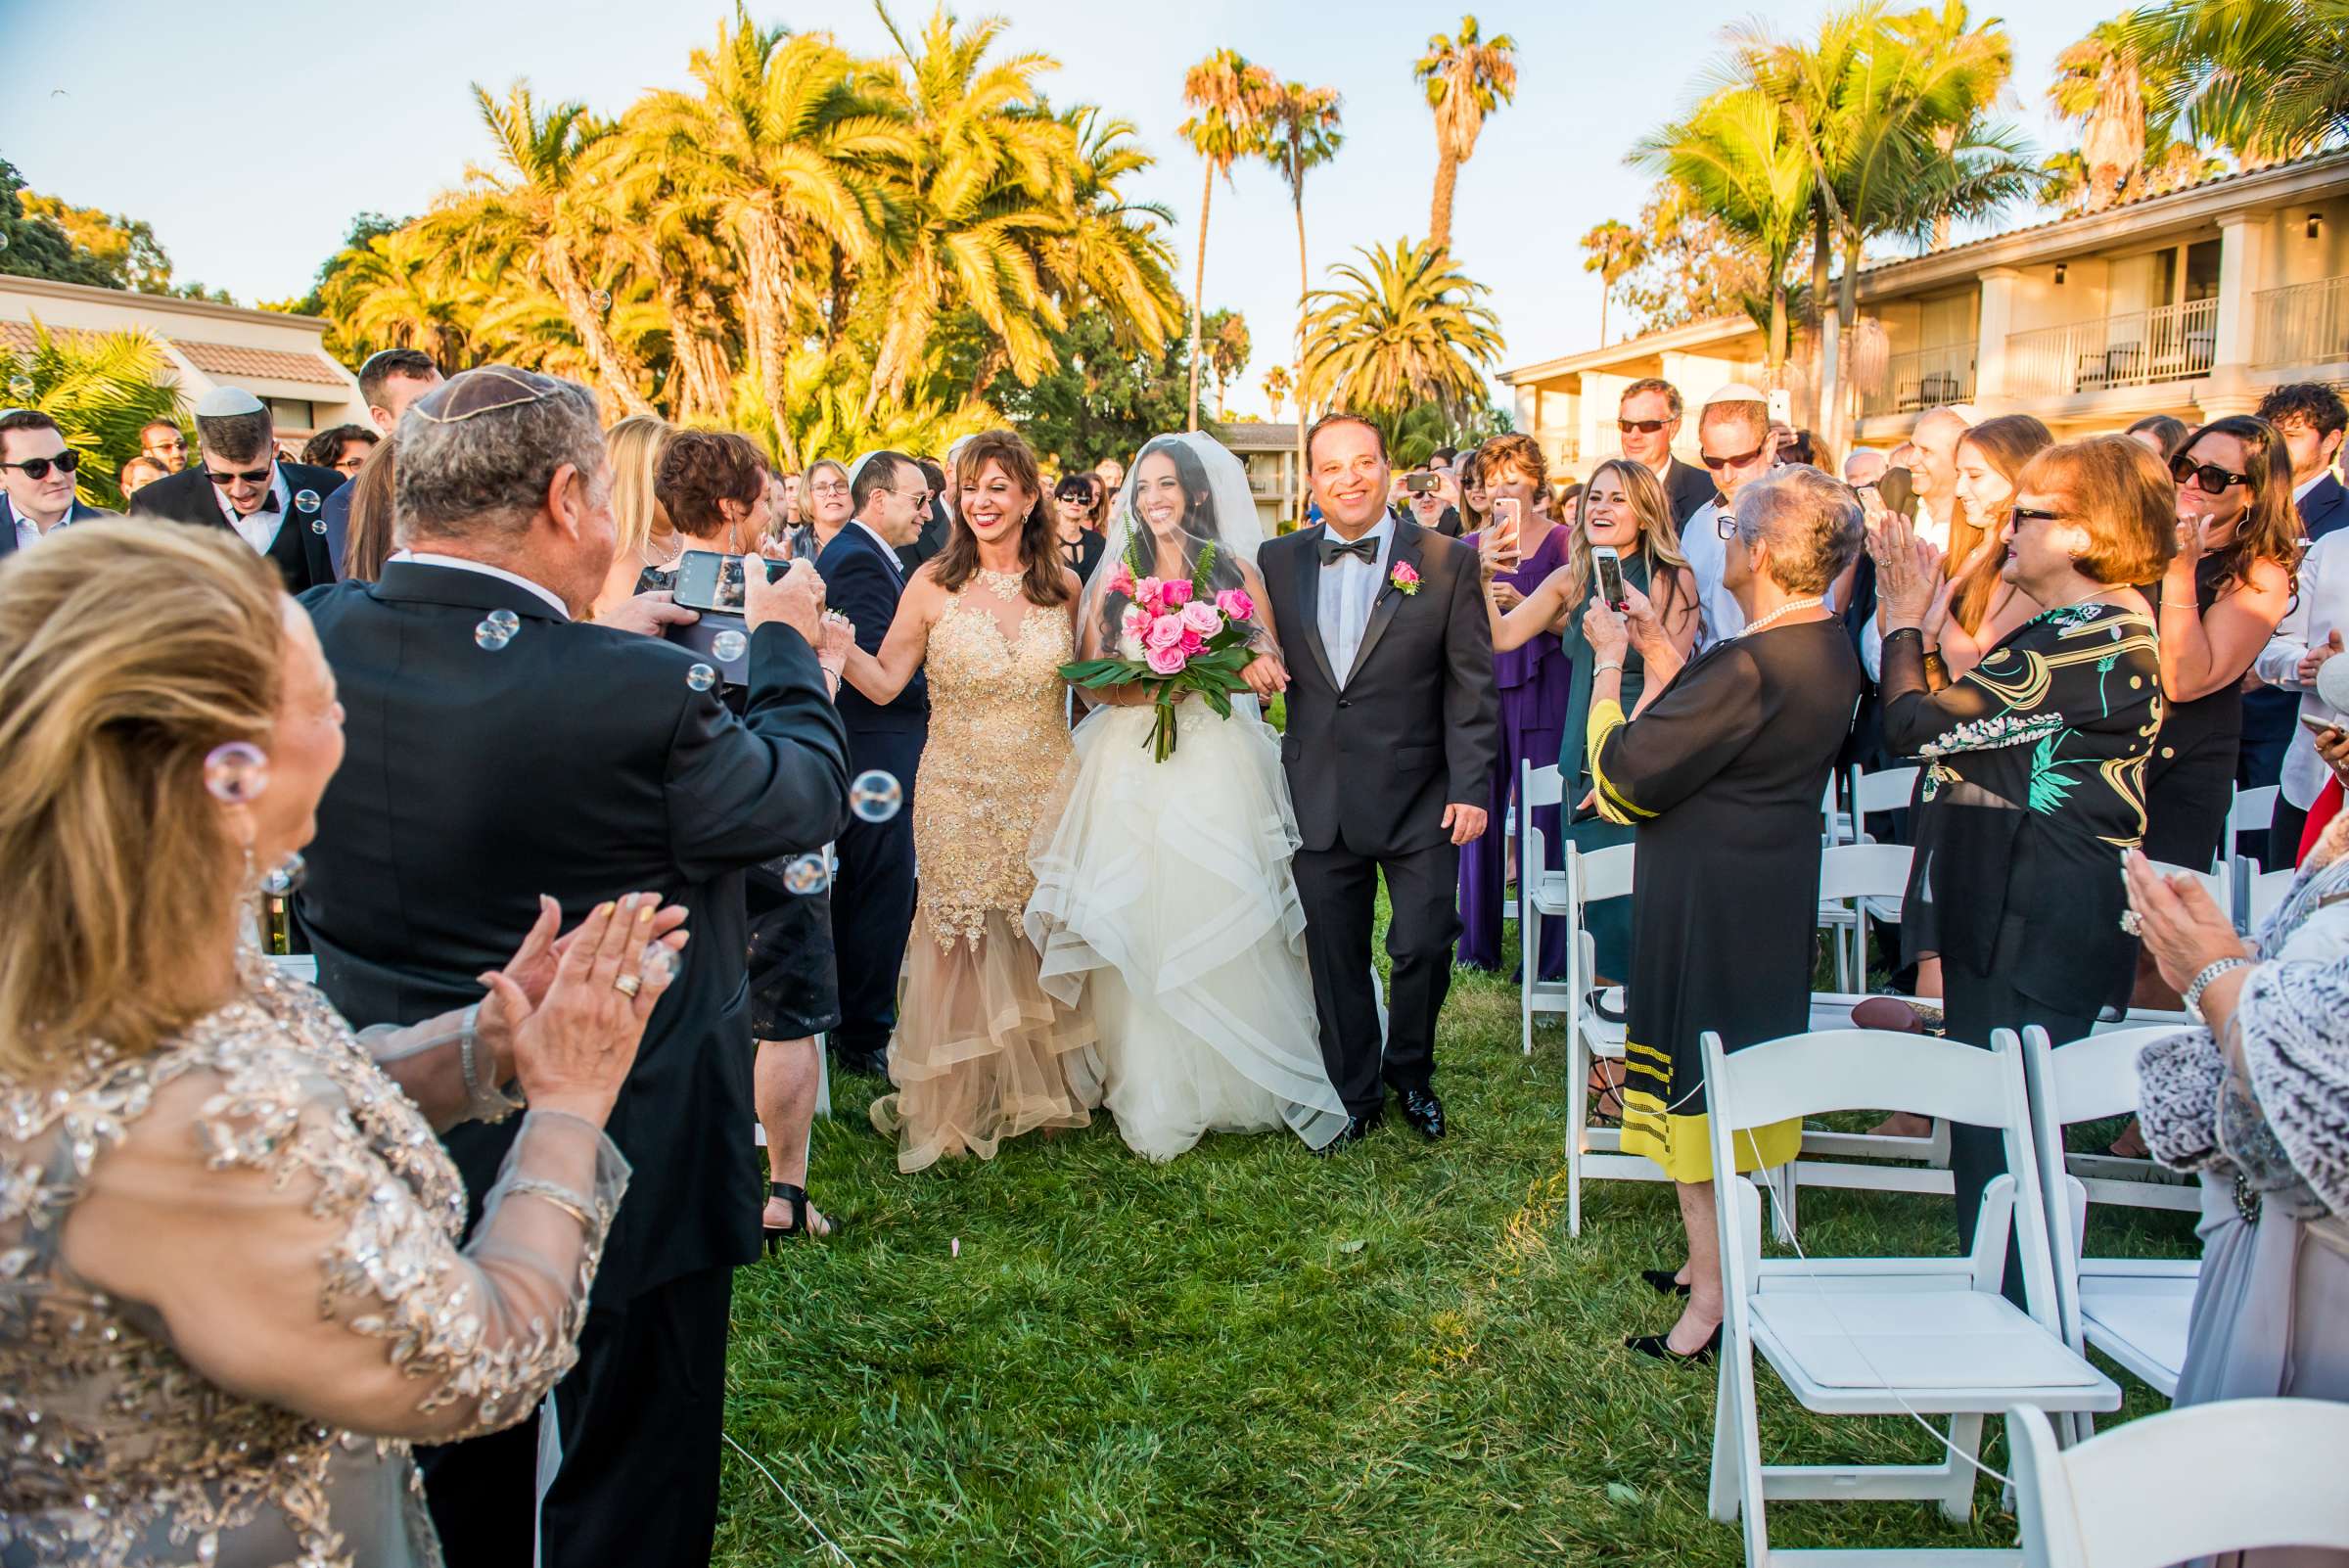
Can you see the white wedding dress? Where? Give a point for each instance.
(1163, 891)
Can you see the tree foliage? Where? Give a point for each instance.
(1465, 78)
(46, 237)
(1406, 327)
(101, 389)
(1102, 399)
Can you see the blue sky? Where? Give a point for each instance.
(249, 143)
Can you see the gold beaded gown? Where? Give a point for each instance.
(982, 1053)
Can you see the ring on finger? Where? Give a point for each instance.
(628, 984)
(2131, 922)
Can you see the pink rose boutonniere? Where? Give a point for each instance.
(1405, 578)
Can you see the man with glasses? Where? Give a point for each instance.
(341, 448)
(239, 483)
(36, 480)
(1649, 419)
(872, 897)
(163, 441)
(1732, 433)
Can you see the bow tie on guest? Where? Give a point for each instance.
(1363, 549)
(268, 503)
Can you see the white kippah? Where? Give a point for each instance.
(227, 402)
(1737, 391)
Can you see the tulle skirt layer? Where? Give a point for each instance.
(982, 1053)
(1164, 904)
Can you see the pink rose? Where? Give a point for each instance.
(1165, 632)
(1203, 617)
(1150, 594)
(1179, 593)
(1136, 621)
(1405, 578)
(1166, 661)
(1235, 603)
(1121, 580)
(1192, 642)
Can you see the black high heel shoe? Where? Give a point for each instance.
(1659, 1346)
(797, 1230)
(1664, 1281)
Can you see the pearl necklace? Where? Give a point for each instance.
(1786, 608)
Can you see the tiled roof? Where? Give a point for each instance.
(223, 359)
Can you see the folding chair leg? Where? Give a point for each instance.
(1578, 1112)
(1966, 1442)
(1779, 1180)
(1721, 1499)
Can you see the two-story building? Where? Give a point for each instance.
(2192, 304)
(1268, 451)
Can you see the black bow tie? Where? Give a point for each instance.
(1363, 549)
(268, 503)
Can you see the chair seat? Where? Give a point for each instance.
(1604, 1036)
(1948, 1348)
(1550, 894)
(2140, 1322)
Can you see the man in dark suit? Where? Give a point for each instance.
(937, 517)
(36, 480)
(388, 382)
(240, 484)
(1649, 421)
(1393, 726)
(546, 756)
(2311, 418)
(872, 897)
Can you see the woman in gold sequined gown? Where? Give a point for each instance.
(982, 1053)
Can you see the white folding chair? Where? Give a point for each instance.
(1541, 895)
(2253, 811)
(1593, 878)
(2219, 884)
(1856, 880)
(1881, 1336)
(2210, 1480)
(2134, 1309)
(2257, 893)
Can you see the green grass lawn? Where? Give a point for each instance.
(1255, 1355)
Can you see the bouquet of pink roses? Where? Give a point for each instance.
(1173, 639)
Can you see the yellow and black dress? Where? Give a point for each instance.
(1723, 777)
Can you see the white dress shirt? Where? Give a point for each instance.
(1346, 590)
(2318, 609)
(554, 601)
(30, 533)
(889, 551)
(261, 529)
(1719, 616)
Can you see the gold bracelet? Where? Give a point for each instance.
(548, 1193)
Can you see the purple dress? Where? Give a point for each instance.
(1534, 683)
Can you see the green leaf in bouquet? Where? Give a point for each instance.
(1203, 573)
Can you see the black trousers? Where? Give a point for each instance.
(1974, 1004)
(872, 897)
(639, 1420)
(1339, 892)
(2283, 835)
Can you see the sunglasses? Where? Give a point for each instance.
(258, 476)
(2032, 514)
(37, 467)
(1738, 461)
(1646, 426)
(2209, 478)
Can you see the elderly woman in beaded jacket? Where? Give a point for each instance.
(231, 1292)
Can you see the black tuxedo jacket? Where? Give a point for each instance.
(863, 580)
(2323, 508)
(299, 550)
(1416, 725)
(75, 512)
(577, 763)
(1687, 487)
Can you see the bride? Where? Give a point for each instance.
(1164, 888)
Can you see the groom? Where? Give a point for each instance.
(1393, 725)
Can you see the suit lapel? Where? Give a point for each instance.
(1407, 544)
(1306, 606)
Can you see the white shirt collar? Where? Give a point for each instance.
(2301, 490)
(869, 533)
(259, 529)
(461, 563)
(1382, 530)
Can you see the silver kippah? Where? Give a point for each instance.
(227, 402)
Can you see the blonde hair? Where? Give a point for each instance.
(1657, 538)
(635, 445)
(110, 702)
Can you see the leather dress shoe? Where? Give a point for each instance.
(872, 1062)
(1357, 1128)
(1422, 1110)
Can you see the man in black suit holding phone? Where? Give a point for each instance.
(239, 483)
(500, 749)
(872, 897)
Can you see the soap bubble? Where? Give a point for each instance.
(21, 389)
(284, 876)
(658, 963)
(236, 771)
(806, 875)
(729, 645)
(505, 621)
(701, 677)
(601, 299)
(317, 525)
(3, 240)
(305, 501)
(490, 637)
(875, 797)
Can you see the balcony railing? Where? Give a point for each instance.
(2171, 344)
(1922, 379)
(2306, 324)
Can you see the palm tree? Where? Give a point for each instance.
(404, 290)
(535, 210)
(1735, 157)
(1465, 79)
(1229, 96)
(1614, 250)
(1227, 346)
(2265, 79)
(1301, 135)
(101, 389)
(1113, 257)
(1409, 330)
(2099, 81)
(1276, 389)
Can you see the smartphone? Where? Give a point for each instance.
(709, 580)
(1420, 483)
(1781, 405)
(1508, 515)
(2319, 727)
(1898, 490)
(1610, 575)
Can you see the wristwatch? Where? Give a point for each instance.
(2201, 981)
